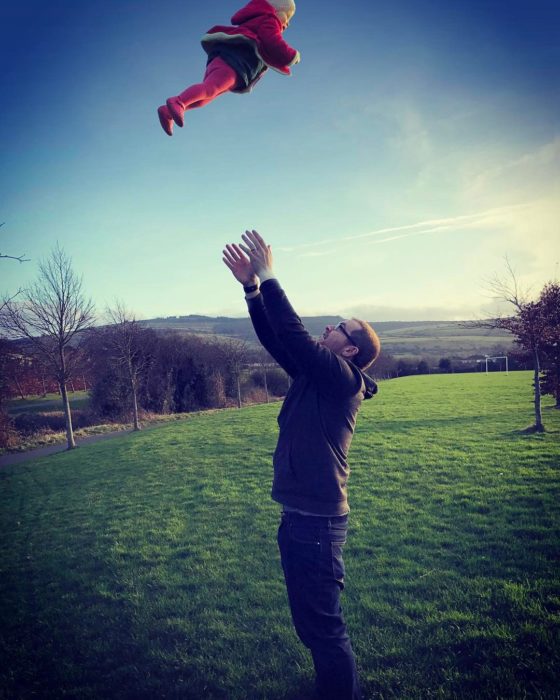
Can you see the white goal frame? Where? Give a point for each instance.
(497, 357)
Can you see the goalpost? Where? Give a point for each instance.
(498, 357)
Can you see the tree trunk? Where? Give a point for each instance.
(266, 386)
(539, 427)
(135, 410)
(238, 391)
(135, 404)
(68, 416)
(19, 388)
(166, 407)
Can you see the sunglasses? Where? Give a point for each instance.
(340, 327)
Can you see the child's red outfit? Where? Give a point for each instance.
(237, 57)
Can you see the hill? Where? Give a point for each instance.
(411, 339)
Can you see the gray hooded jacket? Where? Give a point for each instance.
(318, 415)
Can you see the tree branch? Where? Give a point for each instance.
(20, 258)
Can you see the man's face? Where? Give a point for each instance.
(334, 339)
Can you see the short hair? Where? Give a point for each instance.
(368, 345)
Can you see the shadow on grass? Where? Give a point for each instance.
(532, 431)
(479, 665)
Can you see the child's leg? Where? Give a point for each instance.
(165, 119)
(200, 103)
(218, 78)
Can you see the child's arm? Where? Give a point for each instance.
(271, 35)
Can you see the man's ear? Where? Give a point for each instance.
(349, 351)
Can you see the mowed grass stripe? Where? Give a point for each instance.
(146, 566)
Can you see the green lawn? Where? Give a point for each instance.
(146, 567)
(50, 402)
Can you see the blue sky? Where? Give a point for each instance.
(415, 146)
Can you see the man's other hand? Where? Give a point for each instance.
(240, 266)
(260, 254)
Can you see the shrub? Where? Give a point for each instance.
(215, 390)
(55, 421)
(110, 398)
(276, 380)
(9, 436)
(255, 395)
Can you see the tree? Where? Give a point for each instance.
(549, 301)
(6, 365)
(404, 368)
(385, 367)
(234, 353)
(19, 258)
(527, 324)
(51, 315)
(445, 365)
(124, 337)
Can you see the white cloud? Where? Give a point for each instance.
(375, 312)
(530, 170)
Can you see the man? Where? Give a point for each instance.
(316, 424)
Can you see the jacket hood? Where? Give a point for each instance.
(252, 9)
(371, 387)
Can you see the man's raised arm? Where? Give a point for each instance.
(242, 269)
(310, 357)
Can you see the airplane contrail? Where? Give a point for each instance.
(429, 226)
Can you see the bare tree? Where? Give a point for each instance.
(50, 315)
(19, 258)
(7, 300)
(124, 338)
(266, 362)
(234, 353)
(526, 324)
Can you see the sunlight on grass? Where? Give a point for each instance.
(146, 566)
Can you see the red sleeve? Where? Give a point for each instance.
(271, 36)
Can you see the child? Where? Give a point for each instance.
(237, 57)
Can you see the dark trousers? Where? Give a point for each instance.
(311, 554)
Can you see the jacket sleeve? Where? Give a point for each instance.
(268, 338)
(332, 374)
(271, 36)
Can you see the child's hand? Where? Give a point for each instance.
(239, 265)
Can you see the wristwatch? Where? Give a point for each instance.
(250, 288)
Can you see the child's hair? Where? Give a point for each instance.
(285, 9)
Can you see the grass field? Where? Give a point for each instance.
(50, 402)
(146, 566)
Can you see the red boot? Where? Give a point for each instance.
(165, 119)
(176, 109)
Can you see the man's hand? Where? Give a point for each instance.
(260, 254)
(240, 266)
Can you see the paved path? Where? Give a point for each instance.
(17, 457)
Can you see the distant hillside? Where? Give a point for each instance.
(429, 339)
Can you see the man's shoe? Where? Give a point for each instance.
(165, 119)
(177, 110)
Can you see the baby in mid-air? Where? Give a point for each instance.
(238, 56)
